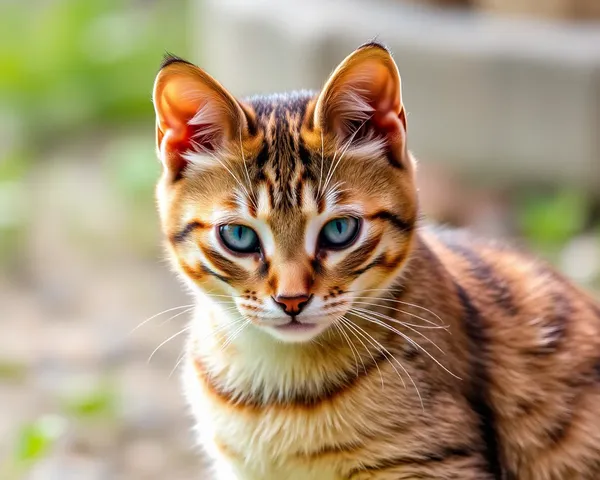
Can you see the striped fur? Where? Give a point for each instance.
(438, 356)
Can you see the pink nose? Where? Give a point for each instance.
(292, 305)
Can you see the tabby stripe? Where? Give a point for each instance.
(225, 265)
(397, 222)
(378, 262)
(478, 393)
(554, 325)
(298, 193)
(357, 257)
(208, 271)
(422, 460)
(300, 400)
(483, 272)
(189, 228)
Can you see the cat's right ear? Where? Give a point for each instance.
(194, 113)
(362, 100)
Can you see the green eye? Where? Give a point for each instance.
(239, 238)
(339, 232)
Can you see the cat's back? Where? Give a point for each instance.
(536, 339)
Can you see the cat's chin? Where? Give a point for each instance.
(296, 332)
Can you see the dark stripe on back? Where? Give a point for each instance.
(485, 274)
(553, 326)
(478, 393)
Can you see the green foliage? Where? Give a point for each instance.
(100, 402)
(133, 168)
(548, 221)
(36, 438)
(70, 64)
(13, 203)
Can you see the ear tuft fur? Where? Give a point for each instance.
(169, 58)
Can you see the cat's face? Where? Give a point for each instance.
(288, 207)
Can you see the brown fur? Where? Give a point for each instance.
(515, 393)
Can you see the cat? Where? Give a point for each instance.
(336, 336)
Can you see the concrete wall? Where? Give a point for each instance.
(503, 100)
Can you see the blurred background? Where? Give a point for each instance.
(504, 116)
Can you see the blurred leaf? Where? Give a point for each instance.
(549, 221)
(100, 402)
(10, 370)
(36, 438)
(133, 167)
(71, 65)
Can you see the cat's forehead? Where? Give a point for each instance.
(280, 107)
(284, 164)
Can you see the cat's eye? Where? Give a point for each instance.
(339, 233)
(239, 238)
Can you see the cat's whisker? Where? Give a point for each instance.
(374, 343)
(179, 360)
(345, 335)
(399, 322)
(234, 335)
(370, 354)
(322, 162)
(213, 332)
(212, 155)
(399, 364)
(158, 315)
(434, 326)
(403, 335)
(183, 330)
(395, 300)
(176, 315)
(252, 197)
(386, 353)
(222, 296)
(345, 148)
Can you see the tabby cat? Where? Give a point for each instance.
(336, 336)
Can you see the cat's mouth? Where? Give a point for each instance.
(294, 325)
(296, 331)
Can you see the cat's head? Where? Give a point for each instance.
(291, 205)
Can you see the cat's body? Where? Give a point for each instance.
(411, 352)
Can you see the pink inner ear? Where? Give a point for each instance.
(388, 110)
(367, 96)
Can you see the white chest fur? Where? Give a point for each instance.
(260, 446)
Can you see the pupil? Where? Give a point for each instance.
(339, 226)
(239, 233)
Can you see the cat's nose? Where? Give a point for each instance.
(292, 305)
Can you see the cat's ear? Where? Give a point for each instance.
(193, 113)
(362, 100)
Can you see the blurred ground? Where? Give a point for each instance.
(69, 367)
(80, 257)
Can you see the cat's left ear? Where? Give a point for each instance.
(363, 98)
(193, 113)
